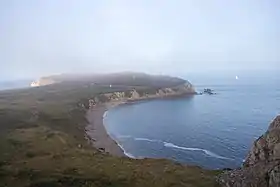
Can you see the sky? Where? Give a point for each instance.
(39, 38)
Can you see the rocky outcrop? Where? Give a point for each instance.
(42, 82)
(140, 94)
(35, 84)
(262, 165)
(267, 147)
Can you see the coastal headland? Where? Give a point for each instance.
(45, 134)
(53, 135)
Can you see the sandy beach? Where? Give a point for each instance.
(98, 134)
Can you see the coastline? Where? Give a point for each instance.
(97, 133)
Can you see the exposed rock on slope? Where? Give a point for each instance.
(262, 165)
(43, 82)
(140, 94)
(120, 87)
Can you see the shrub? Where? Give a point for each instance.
(30, 154)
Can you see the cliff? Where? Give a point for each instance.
(43, 82)
(262, 165)
(118, 87)
(139, 94)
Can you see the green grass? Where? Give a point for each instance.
(42, 144)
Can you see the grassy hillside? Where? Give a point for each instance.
(42, 143)
(126, 78)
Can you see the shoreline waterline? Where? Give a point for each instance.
(101, 111)
(96, 131)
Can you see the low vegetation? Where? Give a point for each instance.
(43, 144)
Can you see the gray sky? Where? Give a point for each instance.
(41, 37)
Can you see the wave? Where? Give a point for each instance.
(146, 139)
(137, 139)
(105, 114)
(171, 145)
(129, 155)
(207, 152)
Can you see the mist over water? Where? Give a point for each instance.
(212, 131)
(13, 84)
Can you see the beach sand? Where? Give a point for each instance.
(97, 133)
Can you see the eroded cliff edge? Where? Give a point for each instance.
(139, 94)
(262, 165)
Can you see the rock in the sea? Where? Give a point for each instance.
(208, 91)
(262, 165)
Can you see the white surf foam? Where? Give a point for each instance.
(105, 114)
(207, 152)
(129, 155)
(146, 139)
(171, 145)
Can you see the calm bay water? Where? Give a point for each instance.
(212, 131)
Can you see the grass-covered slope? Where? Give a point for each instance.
(42, 143)
(125, 78)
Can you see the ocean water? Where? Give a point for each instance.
(7, 85)
(212, 131)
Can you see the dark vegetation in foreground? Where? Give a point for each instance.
(42, 143)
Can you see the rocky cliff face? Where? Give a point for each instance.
(132, 95)
(262, 165)
(42, 82)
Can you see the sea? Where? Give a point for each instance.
(211, 131)
(14, 84)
